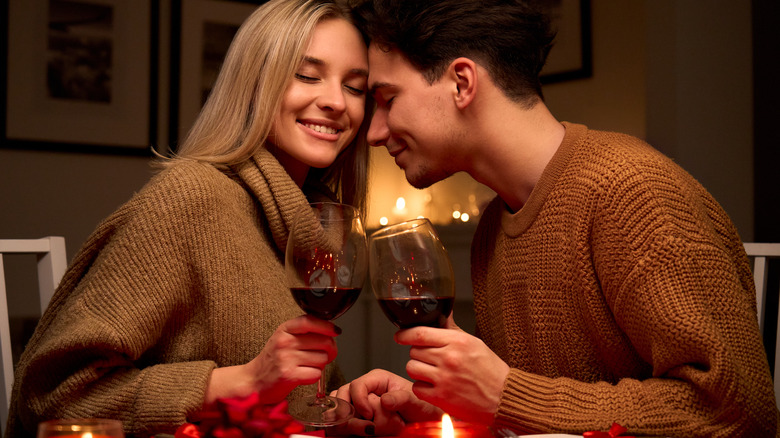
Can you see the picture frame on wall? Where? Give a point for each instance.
(80, 75)
(206, 29)
(571, 55)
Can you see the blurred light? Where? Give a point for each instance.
(455, 214)
(383, 221)
(464, 217)
(400, 203)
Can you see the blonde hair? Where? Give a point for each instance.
(238, 115)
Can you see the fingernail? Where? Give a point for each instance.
(370, 429)
(338, 329)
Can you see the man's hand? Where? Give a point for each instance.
(455, 371)
(384, 403)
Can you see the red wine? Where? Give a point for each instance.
(325, 303)
(409, 312)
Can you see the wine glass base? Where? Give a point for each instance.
(321, 412)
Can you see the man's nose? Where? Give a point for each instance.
(378, 132)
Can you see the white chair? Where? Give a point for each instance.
(761, 253)
(52, 262)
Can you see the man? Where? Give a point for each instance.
(609, 286)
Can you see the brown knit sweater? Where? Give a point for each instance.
(621, 292)
(186, 276)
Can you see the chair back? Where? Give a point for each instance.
(52, 262)
(760, 253)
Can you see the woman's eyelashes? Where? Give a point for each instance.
(356, 89)
(305, 78)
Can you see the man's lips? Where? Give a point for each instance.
(394, 152)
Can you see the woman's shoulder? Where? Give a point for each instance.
(192, 179)
(188, 186)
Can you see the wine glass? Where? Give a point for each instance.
(82, 427)
(326, 264)
(411, 274)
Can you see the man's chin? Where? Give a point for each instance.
(421, 180)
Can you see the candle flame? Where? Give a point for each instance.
(87, 435)
(447, 430)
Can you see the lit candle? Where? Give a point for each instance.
(446, 428)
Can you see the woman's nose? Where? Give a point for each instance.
(332, 98)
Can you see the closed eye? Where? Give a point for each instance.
(356, 91)
(305, 78)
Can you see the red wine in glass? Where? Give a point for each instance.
(325, 303)
(406, 312)
(326, 263)
(411, 274)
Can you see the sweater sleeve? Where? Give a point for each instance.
(707, 379)
(94, 351)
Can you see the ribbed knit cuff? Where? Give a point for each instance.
(171, 392)
(531, 402)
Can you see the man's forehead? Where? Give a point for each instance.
(383, 65)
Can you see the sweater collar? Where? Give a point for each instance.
(277, 193)
(514, 224)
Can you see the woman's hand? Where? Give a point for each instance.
(384, 404)
(294, 355)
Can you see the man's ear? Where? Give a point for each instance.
(463, 72)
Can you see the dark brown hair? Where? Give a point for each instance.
(509, 38)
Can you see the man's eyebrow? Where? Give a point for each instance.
(318, 61)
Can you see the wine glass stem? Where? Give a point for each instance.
(321, 387)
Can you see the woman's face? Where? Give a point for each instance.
(323, 106)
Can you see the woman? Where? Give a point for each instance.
(179, 297)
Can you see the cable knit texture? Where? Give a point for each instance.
(621, 292)
(186, 276)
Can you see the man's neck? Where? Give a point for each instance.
(514, 145)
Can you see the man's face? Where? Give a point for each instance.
(413, 118)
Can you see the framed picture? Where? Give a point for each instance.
(571, 55)
(206, 29)
(80, 75)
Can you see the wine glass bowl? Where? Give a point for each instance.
(326, 263)
(411, 274)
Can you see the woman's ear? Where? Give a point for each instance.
(463, 72)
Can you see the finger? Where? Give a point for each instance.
(386, 422)
(423, 354)
(409, 406)
(377, 382)
(422, 337)
(421, 371)
(424, 391)
(309, 324)
(358, 393)
(311, 359)
(313, 343)
(342, 393)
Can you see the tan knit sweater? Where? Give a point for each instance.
(186, 276)
(621, 292)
